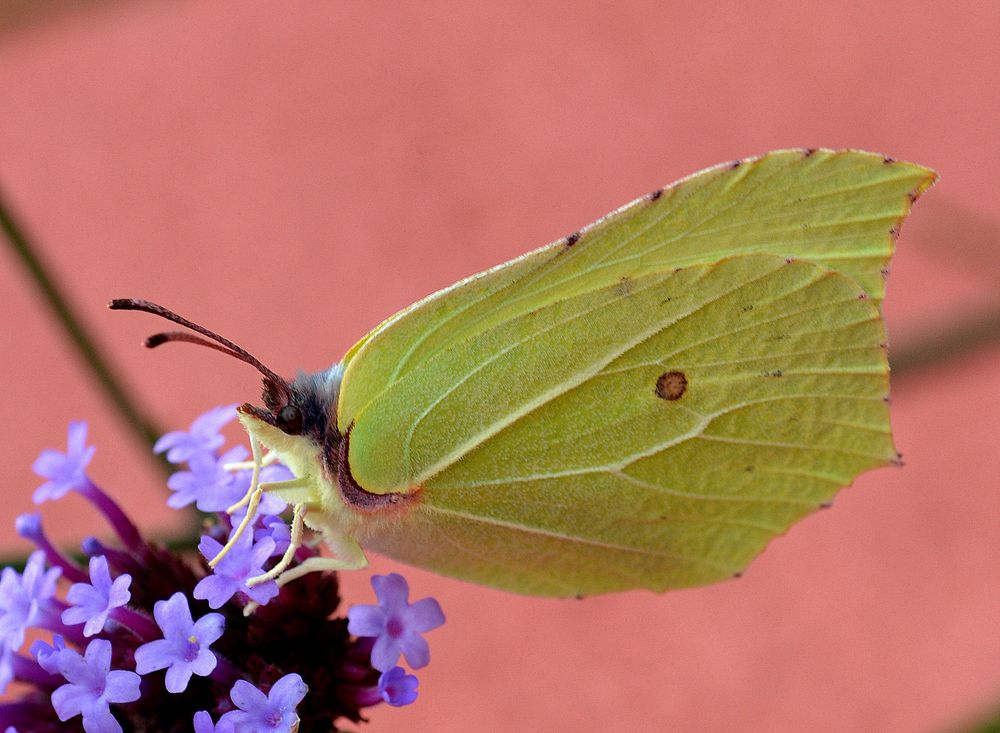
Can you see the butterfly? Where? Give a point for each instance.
(644, 403)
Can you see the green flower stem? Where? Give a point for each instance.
(98, 365)
(989, 724)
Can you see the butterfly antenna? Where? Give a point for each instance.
(212, 340)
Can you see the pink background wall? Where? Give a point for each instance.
(290, 177)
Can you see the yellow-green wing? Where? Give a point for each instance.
(839, 208)
(653, 433)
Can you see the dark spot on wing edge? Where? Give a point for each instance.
(671, 385)
(572, 239)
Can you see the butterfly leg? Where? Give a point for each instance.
(257, 464)
(267, 460)
(247, 519)
(319, 564)
(294, 491)
(296, 542)
(251, 499)
(350, 556)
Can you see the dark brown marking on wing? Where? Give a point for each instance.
(671, 386)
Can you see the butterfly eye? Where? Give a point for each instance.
(289, 419)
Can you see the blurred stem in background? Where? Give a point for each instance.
(964, 336)
(86, 347)
(952, 340)
(990, 725)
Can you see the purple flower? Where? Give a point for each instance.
(237, 488)
(92, 602)
(203, 724)
(397, 623)
(25, 599)
(115, 601)
(260, 713)
(278, 530)
(398, 688)
(183, 650)
(214, 489)
(202, 437)
(64, 471)
(47, 655)
(92, 687)
(204, 480)
(245, 560)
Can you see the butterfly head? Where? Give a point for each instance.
(297, 418)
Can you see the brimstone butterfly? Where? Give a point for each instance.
(642, 404)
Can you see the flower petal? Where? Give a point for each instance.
(100, 720)
(204, 663)
(288, 691)
(416, 650)
(385, 653)
(98, 656)
(173, 615)
(366, 620)
(209, 628)
(216, 589)
(178, 676)
(69, 700)
(263, 592)
(247, 697)
(391, 590)
(424, 615)
(153, 656)
(121, 686)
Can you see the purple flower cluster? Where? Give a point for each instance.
(396, 625)
(146, 639)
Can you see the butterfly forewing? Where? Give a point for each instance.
(646, 404)
(840, 208)
(587, 462)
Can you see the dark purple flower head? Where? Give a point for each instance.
(398, 688)
(270, 713)
(245, 560)
(294, 642)
(396, 623)
(183, 650)
(64, 471)
(92, 687)
(24, 599)
(92, 602)
(202, 437)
